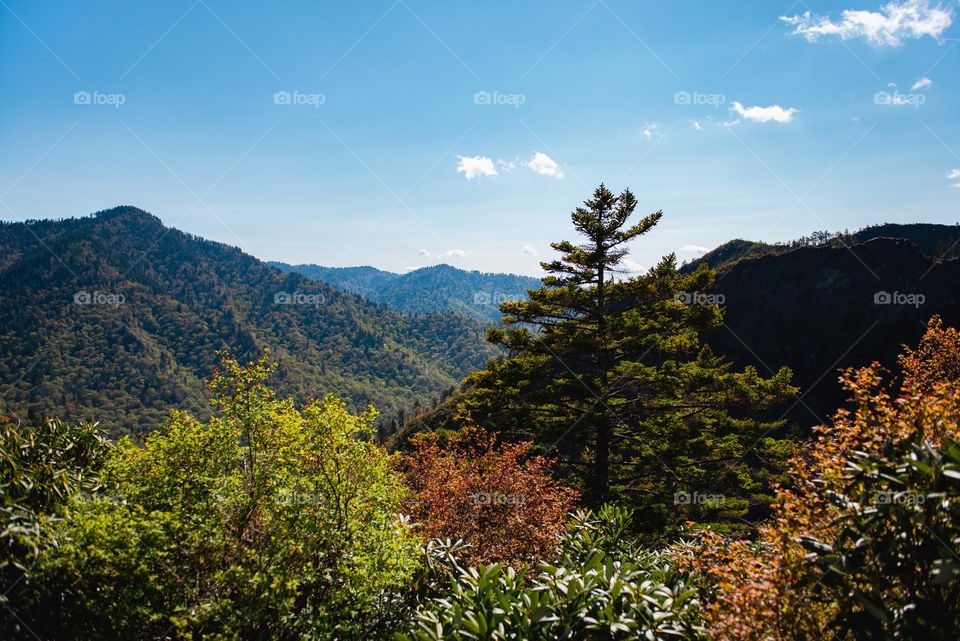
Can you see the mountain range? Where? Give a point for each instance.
(429, 289)
(939, 242)
(116, 318)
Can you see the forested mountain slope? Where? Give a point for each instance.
(364, 280)
(116, 318)
(939, 242)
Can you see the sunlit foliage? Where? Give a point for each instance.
(266, 522)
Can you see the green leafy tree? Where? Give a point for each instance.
(611, 370)
(266, 522)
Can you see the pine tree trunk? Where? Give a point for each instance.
(602, 463)
(601, 475)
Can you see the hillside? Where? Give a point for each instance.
(116, 318)
(429, 289)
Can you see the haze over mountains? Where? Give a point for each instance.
(428, 289)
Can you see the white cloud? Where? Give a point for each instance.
(650, 129)
(923, 83)
(529, 249)
(632, 267)
(894, 22)
(773, 113)
(954, 174)
(697, 125)
(424, 253)
(694, 249)
(454, 253)
(544, 164)
(473, 166)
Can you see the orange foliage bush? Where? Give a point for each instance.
(936, 361)
(499, 499)
(762, 590)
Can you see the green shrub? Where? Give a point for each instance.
(603, 588)
(268, 522)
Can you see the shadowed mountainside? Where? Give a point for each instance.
(940, 242)
(819, 309)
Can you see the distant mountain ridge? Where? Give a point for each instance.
(363, 280)
(933, 240)
(115, 317)
(429, 289)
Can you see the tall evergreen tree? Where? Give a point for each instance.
(610, 371)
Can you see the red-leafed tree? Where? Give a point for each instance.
(500, 499)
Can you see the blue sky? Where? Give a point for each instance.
(405, 133)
